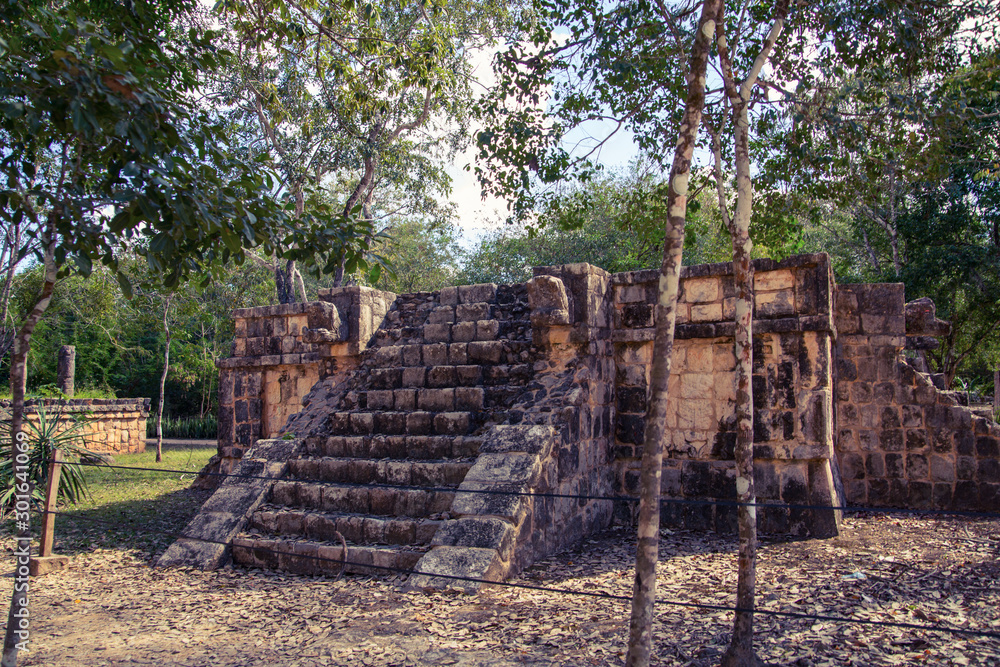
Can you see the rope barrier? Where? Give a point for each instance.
(567, 591)
(629, 499)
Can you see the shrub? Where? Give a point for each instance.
(187, 428)
(44, 437)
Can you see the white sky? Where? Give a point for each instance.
(476, 215)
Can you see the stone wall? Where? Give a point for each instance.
(270, 370)
(901, 441)
(792, 385)
(114, 425)
(280, 353)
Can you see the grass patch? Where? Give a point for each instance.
(131, 509)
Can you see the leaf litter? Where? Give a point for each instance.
(111, 607)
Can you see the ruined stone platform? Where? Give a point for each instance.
(416, 431)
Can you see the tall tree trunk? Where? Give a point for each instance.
(640, 641)
(18, 385)
(163, 380)
(741, 652)
(284, 280)
(362, 193)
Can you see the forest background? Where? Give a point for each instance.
(932, 223)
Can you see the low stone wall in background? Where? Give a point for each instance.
(114, 425)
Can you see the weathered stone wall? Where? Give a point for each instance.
(270, 370)
(901, 441)
(114, 425)
(280, 353)
(792, 384)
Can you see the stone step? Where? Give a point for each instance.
(356, 528)
(437, 377)
(424, 422)
(442, 332)
(395, 446)
(351, 499)
(372, 471)
(312, 557)
(454, 354)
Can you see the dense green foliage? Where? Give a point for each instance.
(119, 342)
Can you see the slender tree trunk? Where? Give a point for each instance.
(741, 652)
(284, 281)
(12, 244)
(301, 284)
(18, 385)
(640, 641)
(163, 380)
(362, 193)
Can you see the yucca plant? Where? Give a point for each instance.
(44, 437)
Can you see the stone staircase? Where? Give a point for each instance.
(383, 471)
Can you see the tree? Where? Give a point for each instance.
(895, 117)
(93, 120)
(363, 100)
(422, 255)
(738, 98)
(604, 222)
(620, 63)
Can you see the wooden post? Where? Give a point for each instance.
(46, 561)
(51, 497)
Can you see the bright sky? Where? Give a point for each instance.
(476, 216)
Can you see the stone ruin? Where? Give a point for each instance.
(413, 424)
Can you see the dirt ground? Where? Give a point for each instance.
(112, 608)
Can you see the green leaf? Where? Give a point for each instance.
(125, 284)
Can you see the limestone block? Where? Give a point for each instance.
(447, 567)
(696, 415)
(441, 315)
(549, 302)
(477, 532)
(699, 358)
(489, 352)
(707, 312)
(481, 293)
(771, 304)
(697, 385)
(921, 319)
(449, 296)
(463, 332)
(436, 400)
(414, 376)
(700, 290)
(632, 294)
(502, 500)
(437, 333)
(505, 468)
(774, 280)
(471, 312)
(519, 438)
(487, 329)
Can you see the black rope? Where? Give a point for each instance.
(568, 591)
(629, 499)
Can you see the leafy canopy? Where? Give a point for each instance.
(102, 149)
